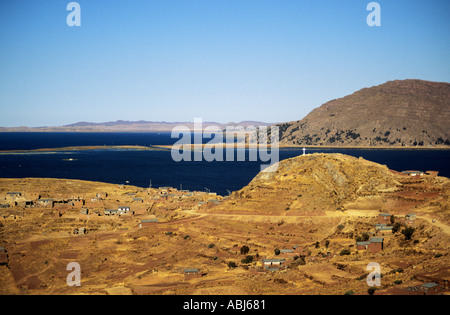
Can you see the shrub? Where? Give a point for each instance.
(396, 227)
(232, 264)
(211, 245)
(277, 251)
(398, 282)
(247, 260)
(245, 249)
(344, 252)
(350, 292)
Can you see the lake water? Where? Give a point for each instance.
(141, 167)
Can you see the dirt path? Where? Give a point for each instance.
(329, 214)
(286, 218)
(445, 228)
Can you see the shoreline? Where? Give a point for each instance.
(215, 145)
(86, 148)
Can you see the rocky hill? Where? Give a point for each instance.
(397, 113)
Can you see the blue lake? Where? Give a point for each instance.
(139, 167)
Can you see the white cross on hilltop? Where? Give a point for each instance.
(304, 150)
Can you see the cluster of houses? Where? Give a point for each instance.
(285, 256)
(382, 228)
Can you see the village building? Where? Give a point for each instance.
(362, 245)
(384, 218)
(84, 211)
(48, 203)
(410, 219)
(147, 222)
(273, 264)
(431, 288)
(383, 229)
(413, 173)
(123, 209)
(376, 244)
(191, 273)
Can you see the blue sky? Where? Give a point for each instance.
(221, 60)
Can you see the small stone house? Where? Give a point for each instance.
(111, 212)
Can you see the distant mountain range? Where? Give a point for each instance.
(403, 113)
(128, 126)
(400, 113)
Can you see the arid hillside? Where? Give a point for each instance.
(319, 183)
(310, 227)
(396, 113)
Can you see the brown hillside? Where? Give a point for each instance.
(397, 113)
(318, 184)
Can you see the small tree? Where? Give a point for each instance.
(245, 249)
(408, 232)
(277, 252)
(392, 219)
(232, 265)
(396, 227)
(327, 243)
